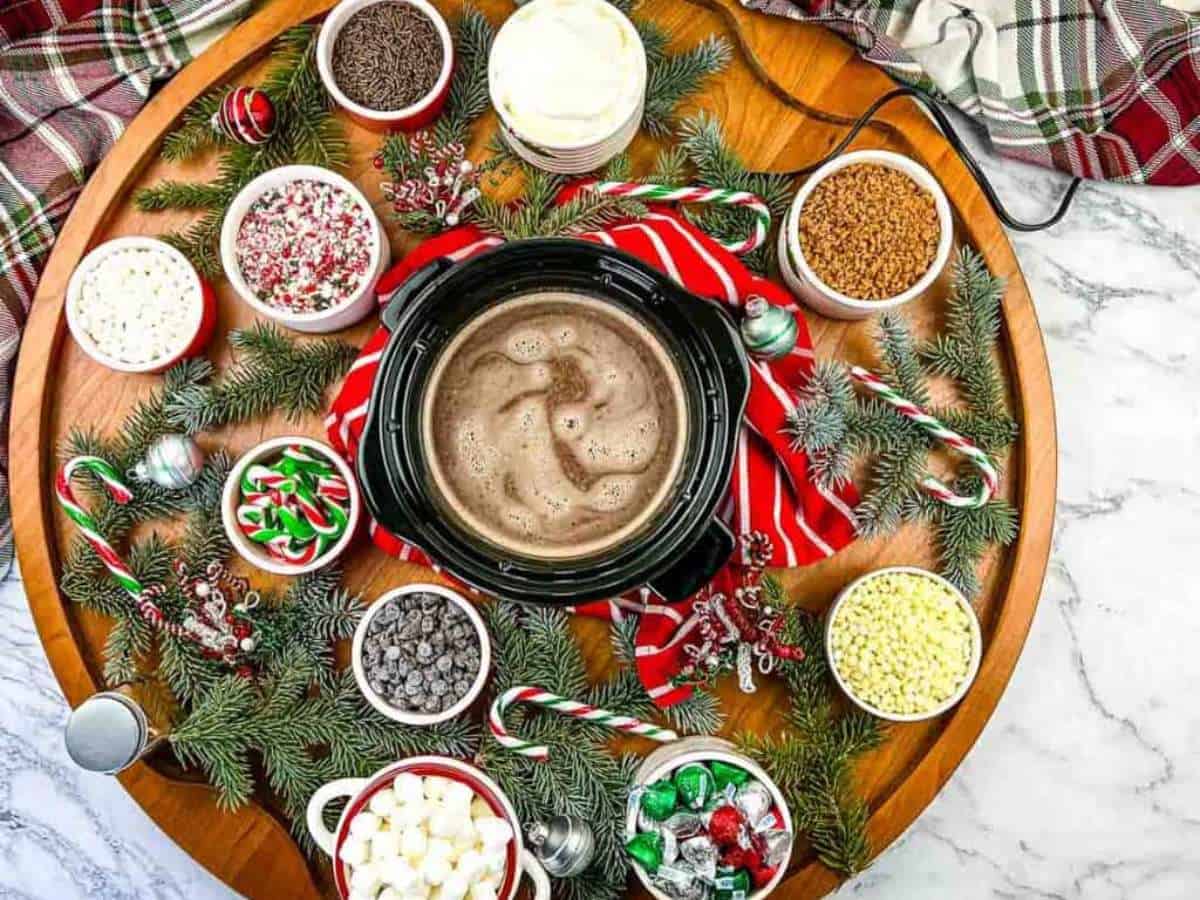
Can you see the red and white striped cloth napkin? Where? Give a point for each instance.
(771, 490)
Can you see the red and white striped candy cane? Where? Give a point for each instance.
(116, 566)
(952, 439)
(525, 694)
(661, 193)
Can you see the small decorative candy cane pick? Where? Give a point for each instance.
(218, 638)
(661, 193)
(953, 440)
(525, 694)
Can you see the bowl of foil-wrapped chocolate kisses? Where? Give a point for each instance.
(707, 823)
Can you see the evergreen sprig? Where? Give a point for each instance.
(812, 759)
(836, 426)
(306, 132)
(712, 162)
(273, 371)
(671, 78)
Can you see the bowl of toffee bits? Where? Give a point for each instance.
(868, 231)
(421, 654)
(386, 62)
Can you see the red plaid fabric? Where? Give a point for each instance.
(770, 491)
(72, 75)
(1103, 90)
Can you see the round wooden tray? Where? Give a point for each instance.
(57, 388)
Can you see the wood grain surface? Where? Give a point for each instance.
(58, 387)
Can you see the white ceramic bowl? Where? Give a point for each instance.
(337, 317)
(409, 118)
(972, 667)
(819, 296)
(668, 758)
(231, 497)
(485, 656)
(580, 156)
(201, 313)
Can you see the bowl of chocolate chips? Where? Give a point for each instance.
(421, 654)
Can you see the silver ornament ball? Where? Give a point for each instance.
(768, 332)
(564, 845)
(174, 462)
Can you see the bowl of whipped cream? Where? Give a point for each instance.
(568, 80)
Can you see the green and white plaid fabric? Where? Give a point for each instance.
(73, 73)
(1104, 89)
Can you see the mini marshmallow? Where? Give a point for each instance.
(359, 895)
(400, 875)
(365, 824)
(410, 815)
(413, 843)
(454, 887)
(365, 879)
(408, 787)
(470, 864)
(354, 851)
(435, 869)
(466, 839)
(383, 802)
(387, 894)
(493, 832)
(440, 847)
(419, 891)
(446, 823)
(483, 890)
(435, 786)
(495, 861)
(458, 796)
(385, 845)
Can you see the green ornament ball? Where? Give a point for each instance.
(647, 850)
(768, 331)
(695, 785)
(659, 800)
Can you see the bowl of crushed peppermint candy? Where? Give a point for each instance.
(421, 654)
(302, 245)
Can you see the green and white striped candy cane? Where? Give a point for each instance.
(990, 478)
(662, 193)
(547, 700)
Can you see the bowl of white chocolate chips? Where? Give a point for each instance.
(903, 643)
(423, 827)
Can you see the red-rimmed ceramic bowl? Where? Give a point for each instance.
(410, 118)
(359, 791)
(199, 307)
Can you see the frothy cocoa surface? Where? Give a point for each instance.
(554, 425)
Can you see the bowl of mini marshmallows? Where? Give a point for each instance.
(429, 826)
(135, 304)
(867, 232)
(421, 654)
(903, 643)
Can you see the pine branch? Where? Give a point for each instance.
(273, 371)
(672, 78)
(468, 99)
(195, 133)
(812, 760)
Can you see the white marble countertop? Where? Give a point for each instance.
(1086, 783)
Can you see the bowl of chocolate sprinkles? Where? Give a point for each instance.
(867, 232)
(386, 62)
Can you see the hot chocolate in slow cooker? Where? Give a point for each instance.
(555, 421)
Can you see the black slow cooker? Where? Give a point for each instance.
(675, 553)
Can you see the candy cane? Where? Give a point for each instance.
(524, 694)
(120, 572)
(953, 440)
(661, 193)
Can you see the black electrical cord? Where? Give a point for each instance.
(968, 159)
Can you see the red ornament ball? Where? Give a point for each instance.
(725, 826)
(246, 115)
